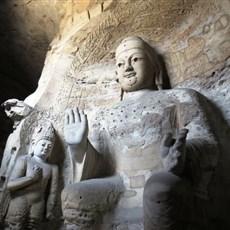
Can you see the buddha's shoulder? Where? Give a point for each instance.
(183, 94)
(170, 95)
(161, 97)
(178, 91)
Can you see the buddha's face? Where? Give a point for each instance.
(134, 69)
(43, 148)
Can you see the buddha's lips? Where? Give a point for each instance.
(131, 74)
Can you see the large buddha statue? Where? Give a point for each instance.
(151, 158)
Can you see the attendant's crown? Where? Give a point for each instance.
(44, 131)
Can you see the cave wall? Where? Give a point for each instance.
(71, 44)
(27, 28)
(191, 36)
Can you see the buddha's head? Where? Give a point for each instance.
(137, 65)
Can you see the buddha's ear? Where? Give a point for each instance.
(159, 80)
(121, 94)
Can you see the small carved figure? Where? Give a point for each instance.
(158, 141)
(16, 110)
(33, 183)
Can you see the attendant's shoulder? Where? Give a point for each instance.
(24, 158)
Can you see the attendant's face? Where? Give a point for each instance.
(43, 148)
(134, 69)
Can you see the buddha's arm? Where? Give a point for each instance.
(201, 140)
(202, 148)
(195, 153)
(77, 152)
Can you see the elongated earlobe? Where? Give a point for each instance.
(122, 94)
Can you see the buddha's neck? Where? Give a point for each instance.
(136, 94)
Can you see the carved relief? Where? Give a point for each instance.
(128, 141)
(147, 138)
(29, 182)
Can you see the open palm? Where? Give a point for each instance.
(75, 127)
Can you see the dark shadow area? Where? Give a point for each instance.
(19, 73)
(220, 184)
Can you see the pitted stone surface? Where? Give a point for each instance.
(79, 71)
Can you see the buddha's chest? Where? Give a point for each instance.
(136, 123)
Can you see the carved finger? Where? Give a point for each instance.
(76, 115)
(181, 140)
(39, 168)
(35, 167)
(165, 145)
(182, 135)
(179, 147)
(83, 117)
(164, 151)
(66, 118)
(71, 116)
(167, 139)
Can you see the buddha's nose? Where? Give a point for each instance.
(128, 67)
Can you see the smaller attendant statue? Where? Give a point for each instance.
(33, 183)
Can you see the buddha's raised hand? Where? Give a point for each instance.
(76, 132)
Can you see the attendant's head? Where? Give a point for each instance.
(43, 140)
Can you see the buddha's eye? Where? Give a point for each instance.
(120, 64)
(135, 59)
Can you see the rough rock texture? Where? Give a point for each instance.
(191, 36)
(79, 70)
(27, 28)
